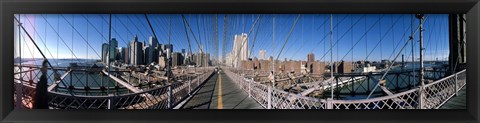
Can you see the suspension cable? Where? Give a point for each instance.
(81, 36)
(389, 67)
(336, 42)
(43, 55)
(289, 34)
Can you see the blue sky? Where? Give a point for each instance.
(81, 35)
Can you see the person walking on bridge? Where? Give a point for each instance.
(41, 101)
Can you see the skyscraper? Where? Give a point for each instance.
(262, 54)
(112, 51)
(206, 60)
(177, 59)
(153, 41)
(126, 55)
(119, 54)
(168, 46)
(311, 57)
(136, 52)
(198, 59)
(240, 49)
(105, 53)
(148, 56)
(155, 48)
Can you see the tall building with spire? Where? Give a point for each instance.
(240, 49)
(262, 54)
(136, 52)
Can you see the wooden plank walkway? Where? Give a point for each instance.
(221, 93)
(203, 98)
(457, 102)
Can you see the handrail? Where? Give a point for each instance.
(407, 99)
(445, 78)
(157, 98)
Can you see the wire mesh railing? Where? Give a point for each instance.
(165, 97)
(273, 98)
(430, 96)
(404, 100)
(438, 92)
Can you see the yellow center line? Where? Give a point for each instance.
(220, 103)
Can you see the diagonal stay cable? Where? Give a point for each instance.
(249, 32)
(43, 55)
(364, 36)
(254, 38)
(338, 40)
(193, 34)
(381, 39)
(81, 36)
(188, 40)
(58, 34)
(289, 34)
(135, 25)
(390, 66)
(115, 30)
(42, 41)
(327, 33)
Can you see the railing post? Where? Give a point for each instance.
(19, 93)
(329, 103)
(456, 84)
(269, 98)
(111, 103)
(31, 78)
(421, 103)
(249, 89)
(190, 87)
(170, 96)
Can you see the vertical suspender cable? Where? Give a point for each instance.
(413, 51)
(109, 46)
(331, 57)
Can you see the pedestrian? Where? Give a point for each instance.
(41, 101)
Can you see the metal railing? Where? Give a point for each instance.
(165, 97)
(438, 92)
(430, 96)
(272, 98)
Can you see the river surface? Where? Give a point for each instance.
(76, 79)
(403, 83)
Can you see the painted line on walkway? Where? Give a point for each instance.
(220, 103)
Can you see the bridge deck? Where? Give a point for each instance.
(219, 92)
(457, 102)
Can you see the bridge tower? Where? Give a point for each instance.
(457, 32)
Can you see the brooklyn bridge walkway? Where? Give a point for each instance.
(457, 102)
(219, 92)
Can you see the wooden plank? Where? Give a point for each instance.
(53, 85)
(385, 89)
(317, 86)
(457, 102)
